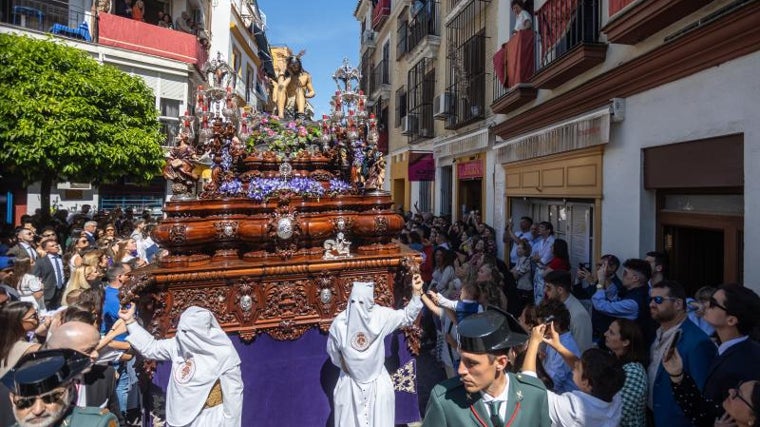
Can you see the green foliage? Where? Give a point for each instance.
(62, 114)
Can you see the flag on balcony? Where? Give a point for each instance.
(515, 63)
(553, 21)
(500, 64)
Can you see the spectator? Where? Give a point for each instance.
(632, 301)
(625, 341)
(542, 256)
(138, 11)
(444, 277)
(77, 250)
(124, 9)
(597, 376)
(698, 306)
(185, 23)
(558, 288)
(516, 237)
(554, 363)
(89, 231)
(659, 263)
(25, 248)
(18, 319)
(167, 20)
(29, 286)
(742, 405)
(560, 257)
(522, 273)
(667, 304)
(50, 269)
(734, 311)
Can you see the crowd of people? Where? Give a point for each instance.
(59, 288)
(524, 342)
(610, 349)
(135, 9)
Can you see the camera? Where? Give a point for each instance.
(584, 266)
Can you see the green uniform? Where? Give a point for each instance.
(88, 417)
(450, 405)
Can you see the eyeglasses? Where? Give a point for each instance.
(33, 316)
(659, 300)
(55, 396)
(736, 393)
(713, 303)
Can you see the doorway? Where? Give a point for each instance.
(696, 256)
(398, 193)
(470, 196)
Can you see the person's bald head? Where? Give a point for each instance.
(75, 335)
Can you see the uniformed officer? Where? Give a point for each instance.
(485, 394)
(43, 390)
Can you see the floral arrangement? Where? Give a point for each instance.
(262, 189)
(284, 137)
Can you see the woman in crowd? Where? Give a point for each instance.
(127, 251)
(75, 252)
(490, 286)
(77, 281)
(444, 278)
(29, 286)
(741, 406)
(624, 339)
(561, 259)
(18, 319)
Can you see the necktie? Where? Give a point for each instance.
(58, 270)
(493, 407)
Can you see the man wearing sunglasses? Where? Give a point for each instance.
(43, 391)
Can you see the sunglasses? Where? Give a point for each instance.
(713, 303)
(736, 393)
(34, 316)
(55, 396)
(659, 300)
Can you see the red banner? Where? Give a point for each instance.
(421, 166)
(515, 62)
(553, 20)
(470, 170)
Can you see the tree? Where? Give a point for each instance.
(65, 116)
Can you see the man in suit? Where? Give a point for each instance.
(50, 270)
(25, 246)
(485, 394)
(100, 381)
(667, 304)
(89, 231)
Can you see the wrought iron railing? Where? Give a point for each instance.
(50, 16)
(380, 75)
(425, 22)
(564, 25)
(469, 101)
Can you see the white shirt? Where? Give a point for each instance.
(527, 235)
(661, 344)
(501, 397)
(522, 21)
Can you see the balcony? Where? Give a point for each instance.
(51, 16)
(631, 22)
(514, 66)
(368, 40)
(380, 13)
(381, 82)
(568, 42)
(469, 100)
(425, 23)
(150, 39)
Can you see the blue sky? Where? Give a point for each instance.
(328, 32)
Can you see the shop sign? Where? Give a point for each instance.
(470, 170)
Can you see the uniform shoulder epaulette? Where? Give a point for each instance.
(529, 380)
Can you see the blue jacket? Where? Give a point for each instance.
(697, 352)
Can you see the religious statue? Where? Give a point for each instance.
(294, 86)
(376, 172)
(180, 167)
(337, 248)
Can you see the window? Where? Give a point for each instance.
(169, 118)
(402, 30)
(236, 58)
(421, 82)
(426, 188)
(400, 105)
(249, 76)
(465, 59)
(170, 107)
(447, 174)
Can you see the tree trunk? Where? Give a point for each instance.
(45, 185)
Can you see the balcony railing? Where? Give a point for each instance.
(150, 39)
(469, 101)
(380, 13)
(380, 75)
(564, 25)
(51, 16)
(426, 22)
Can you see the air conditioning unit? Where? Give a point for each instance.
(74, 186)
(368, 37)
(443, 106)
(408, 125)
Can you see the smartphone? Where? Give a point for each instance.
(584, 266)
(548, 319)
(673, 344)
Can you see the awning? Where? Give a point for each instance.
(581, 132)
(421, 166)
